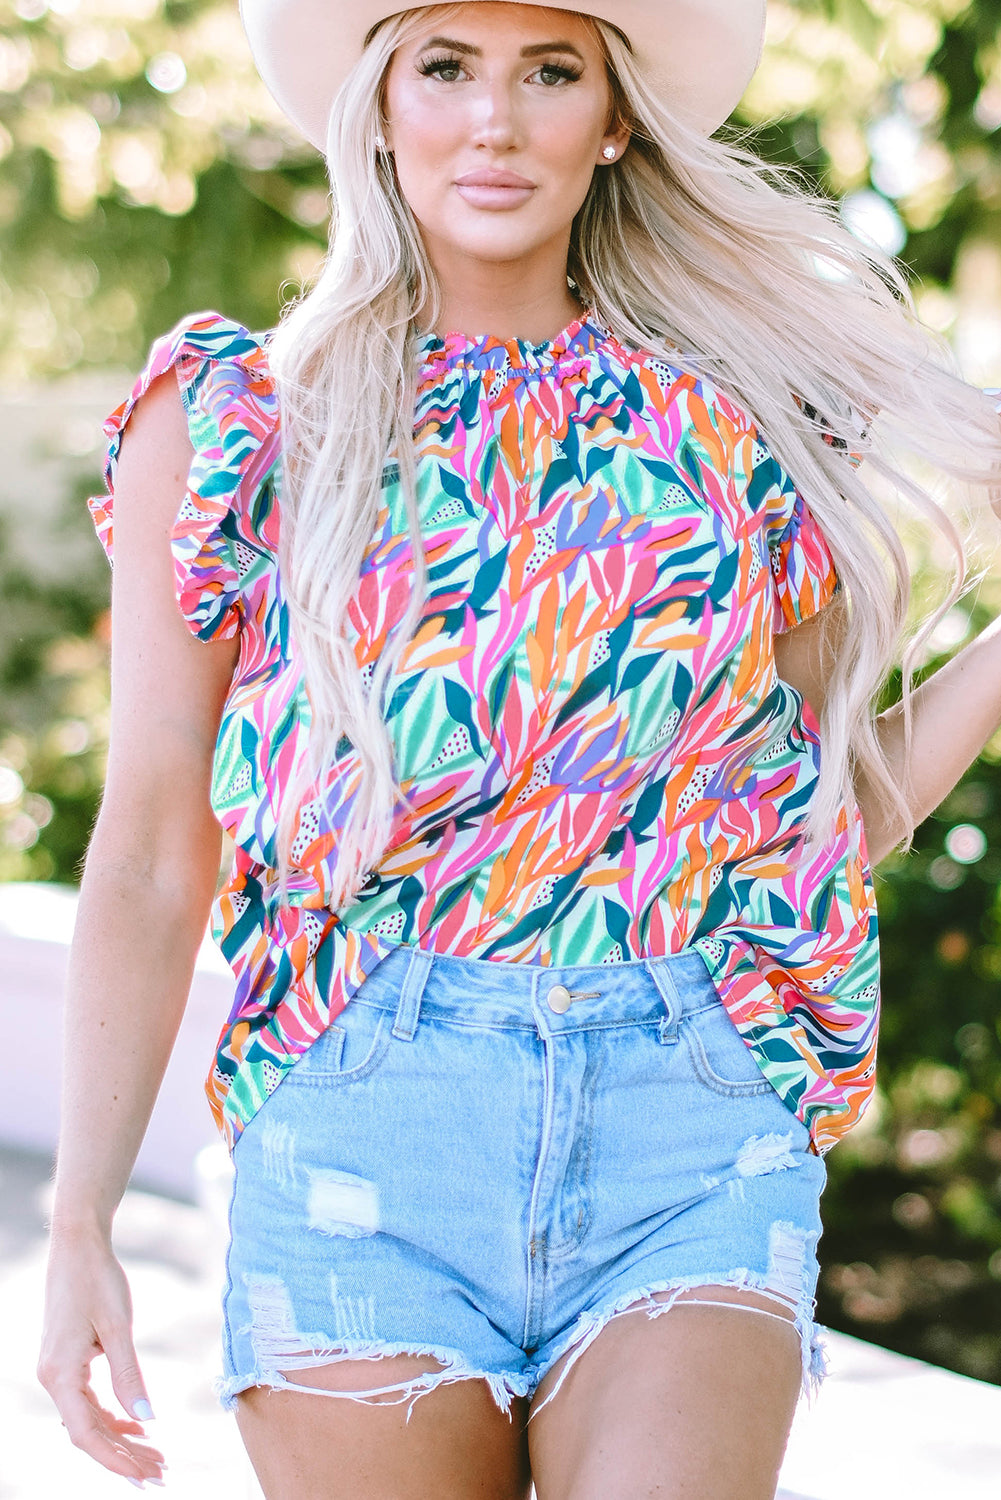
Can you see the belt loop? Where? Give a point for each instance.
(658, 969)
(411, 990)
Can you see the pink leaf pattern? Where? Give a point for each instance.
(602, 761)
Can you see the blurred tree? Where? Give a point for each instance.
(145, 173)
(893, 107)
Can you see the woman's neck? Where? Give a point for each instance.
(535, 322)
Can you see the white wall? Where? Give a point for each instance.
(49, 435)
(36, 923)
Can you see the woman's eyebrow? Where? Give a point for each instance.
(536, 50)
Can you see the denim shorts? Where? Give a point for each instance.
(485, 1161)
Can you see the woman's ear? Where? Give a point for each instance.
(614, 143)
(618, 133)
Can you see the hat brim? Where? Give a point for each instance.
(699, 55)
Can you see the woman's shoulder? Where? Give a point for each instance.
(218, 361)
(675, 380)
(212, 336)
(225, 384)
(224, 534)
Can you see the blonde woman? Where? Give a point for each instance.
(517, 607)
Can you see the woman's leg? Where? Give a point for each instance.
(457, 1445)
(695, 1404)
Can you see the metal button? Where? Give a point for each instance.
(559, 999)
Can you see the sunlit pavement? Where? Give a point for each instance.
(883, 1428)
(171, 1254)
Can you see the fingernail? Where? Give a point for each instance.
(142, 1411)
(137, 1482)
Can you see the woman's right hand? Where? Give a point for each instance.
(88, 1312)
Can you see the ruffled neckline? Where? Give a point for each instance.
(485, 351)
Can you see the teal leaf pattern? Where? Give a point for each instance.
(600, 760)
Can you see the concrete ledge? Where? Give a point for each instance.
(889, 1428)
(36, 925)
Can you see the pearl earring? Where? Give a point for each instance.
(609, 153)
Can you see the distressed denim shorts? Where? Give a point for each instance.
(484, 1162)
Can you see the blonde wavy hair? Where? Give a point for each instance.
(693, 249)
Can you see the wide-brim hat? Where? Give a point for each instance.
(699, 55)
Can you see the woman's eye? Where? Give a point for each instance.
(556, 73)
(449, 69)
(445, 68)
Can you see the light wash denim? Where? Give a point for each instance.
(484, 1162)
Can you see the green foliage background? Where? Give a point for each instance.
(144, 173)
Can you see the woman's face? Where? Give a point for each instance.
(497, 118)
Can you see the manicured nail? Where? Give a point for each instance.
(142, 1411)
(137, 1482)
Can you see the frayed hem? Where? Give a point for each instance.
(650, 1299)
(503, 1388)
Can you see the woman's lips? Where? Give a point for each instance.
(494, 190)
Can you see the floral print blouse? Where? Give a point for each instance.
(602, 762)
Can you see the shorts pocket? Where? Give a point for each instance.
(722, 1059)
(351, 1048)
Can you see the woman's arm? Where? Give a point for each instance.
(954, 713)
(147, 889)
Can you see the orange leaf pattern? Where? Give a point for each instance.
(602, 762)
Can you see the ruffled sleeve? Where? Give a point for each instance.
(224, 537)
(803, 574)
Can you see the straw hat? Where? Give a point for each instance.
(700, 54)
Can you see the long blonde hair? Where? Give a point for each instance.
(693, 249)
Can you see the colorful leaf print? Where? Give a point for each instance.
(601, 761)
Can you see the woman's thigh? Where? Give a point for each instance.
(456, 1445)
(694, 1405)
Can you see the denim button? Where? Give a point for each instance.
(558, 999)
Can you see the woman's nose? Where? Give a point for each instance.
(494, 117)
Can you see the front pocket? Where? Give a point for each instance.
(351, 1048)
(720, 1056)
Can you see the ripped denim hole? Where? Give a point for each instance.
(784, 1283)
(758, 1155)
(280, 1349)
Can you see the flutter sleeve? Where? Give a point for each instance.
(803, 574)
(224, 536)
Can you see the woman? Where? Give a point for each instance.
(507, 665)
